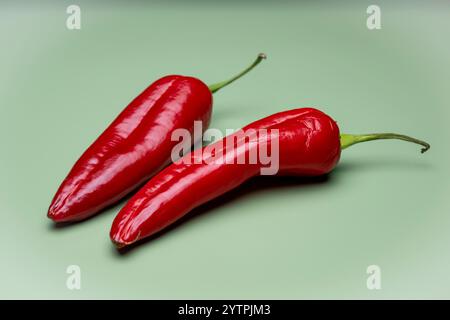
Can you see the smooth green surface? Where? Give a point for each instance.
(386, 204)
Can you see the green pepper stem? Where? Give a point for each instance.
(348, 140)
(219, 85)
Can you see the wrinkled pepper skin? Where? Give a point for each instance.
(135, 146)
(309, 145)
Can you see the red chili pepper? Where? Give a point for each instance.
(135, 146)
(309, 145)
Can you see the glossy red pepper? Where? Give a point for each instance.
(135, 146)
(309, 145)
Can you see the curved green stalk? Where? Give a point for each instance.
(348, 140)
(217, 86)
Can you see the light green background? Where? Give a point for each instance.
(385, 204)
